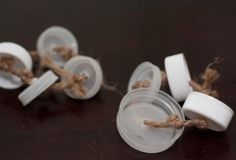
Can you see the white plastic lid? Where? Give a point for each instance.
(22, 61)
(37, 87)
(146, 71)
(89, 67)
(147, 104)
(178, 76)
(56, 36)
(199, 105)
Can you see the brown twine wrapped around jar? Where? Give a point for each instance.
(174, 122)
(65, 52)
(69, 80)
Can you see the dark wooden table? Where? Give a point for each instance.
(120, 34)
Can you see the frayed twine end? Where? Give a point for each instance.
(209, 77)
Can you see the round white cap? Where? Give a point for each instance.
(22, 60)
(37, 87)
(199, 105)
(146, 71)
(56, 36)
(178, 76)
(91, 69)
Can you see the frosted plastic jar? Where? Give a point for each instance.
(146, 104)
(146, 71)
(91, 69)
(22, 61)
(56, 36)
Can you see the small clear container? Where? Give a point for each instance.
(56, 36)
(146, 104)
(22, 61)
(89, 67)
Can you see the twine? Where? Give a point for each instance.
(174, 122)
(34, 55)
(65, 52)
(7, 65)
(209, 76)
(70, 81)
(146, 83)
(141, 84)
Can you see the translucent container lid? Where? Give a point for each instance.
(53, 37)
(22, 61)
(146, 71)
(147, 104)
(83, 65)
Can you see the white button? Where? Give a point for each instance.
(56, 36)
(146, 71)
(22, 61)
(199, 105)
(37, 87)
(178, 76)
(90, 68)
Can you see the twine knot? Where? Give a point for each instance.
(70, 81)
